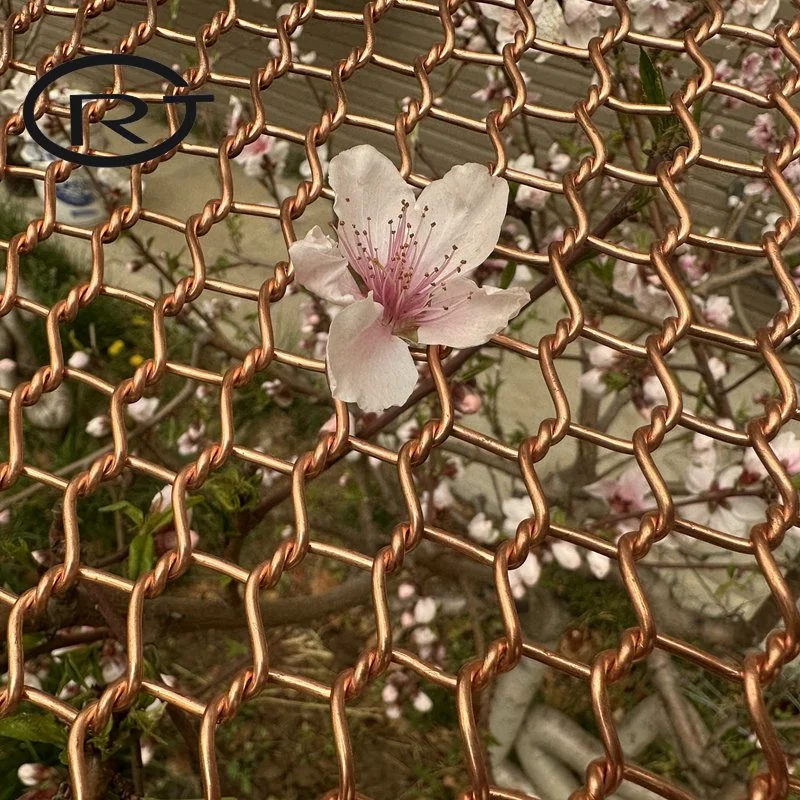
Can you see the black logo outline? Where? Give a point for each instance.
(140, 109)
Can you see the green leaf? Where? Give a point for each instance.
(31, 727)
(616, 380)
(131, 511)
(508, 274)
(653, 91)
(155, 522)
(604, 270)
(141, 555)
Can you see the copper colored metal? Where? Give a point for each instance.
(605, 774)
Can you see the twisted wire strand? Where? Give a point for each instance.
(754, 672)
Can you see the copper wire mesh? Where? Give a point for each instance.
(752, 671)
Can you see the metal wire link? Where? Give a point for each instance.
(753, 672)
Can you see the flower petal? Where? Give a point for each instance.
(369, 192)
(566, 554)
(468, 206)
(465, 314)
(321, 269)
(367, 365)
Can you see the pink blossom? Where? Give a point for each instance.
(723, 70)
(405, 591)
(389, 694)
(758, 187)
(762, 134)
(630, 492)
(787, 449)
(496, 86)
(716, 131)
(261, 154)
(692, 267)
(644, 290)
(466, 399)
(717, 310)
(398, 269)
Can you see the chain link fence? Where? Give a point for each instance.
(664, 173)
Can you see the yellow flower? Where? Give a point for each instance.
(135, 360)
(116, 347)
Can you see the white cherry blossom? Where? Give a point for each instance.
(756, 13)
(599, 565)
(603, 359)
(529, 196)
(79, 359)
(717, 310)
(566, 554)
(98, 427)
(547, 14)
(734, 514)
(515, 509)
(582, 21)
(422, 702)
(424, 610)
(482, 529)
(657, 16)
(525, 576)
(143, 409)
(398, 269)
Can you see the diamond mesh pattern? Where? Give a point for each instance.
(665, 173)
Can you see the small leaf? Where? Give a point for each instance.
(141, 555)
(616, 380)
(653, 91)
(31, 727)
(131, 511)
(508, 274)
